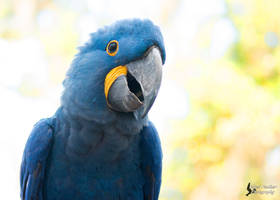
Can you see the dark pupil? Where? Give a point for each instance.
(112, 47)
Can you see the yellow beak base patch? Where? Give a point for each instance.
(112, 76)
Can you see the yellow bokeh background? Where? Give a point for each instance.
(218, 111)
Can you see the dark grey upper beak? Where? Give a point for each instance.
(137, 91)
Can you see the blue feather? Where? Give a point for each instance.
(151, 161)
(86, 150)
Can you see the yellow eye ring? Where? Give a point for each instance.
(112, 47)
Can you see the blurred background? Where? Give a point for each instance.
(218, 111)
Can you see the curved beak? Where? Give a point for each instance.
(134, 87)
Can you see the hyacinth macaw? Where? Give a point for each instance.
(100, 143)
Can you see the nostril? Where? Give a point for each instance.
(135, 87)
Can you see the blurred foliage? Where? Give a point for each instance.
(233, 125)
(232, 131)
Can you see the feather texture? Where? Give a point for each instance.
(34, 160)
(86, 150)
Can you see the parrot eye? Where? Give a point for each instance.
(112, 47)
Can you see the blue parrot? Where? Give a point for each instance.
(100, 144)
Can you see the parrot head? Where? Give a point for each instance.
(117, 72)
